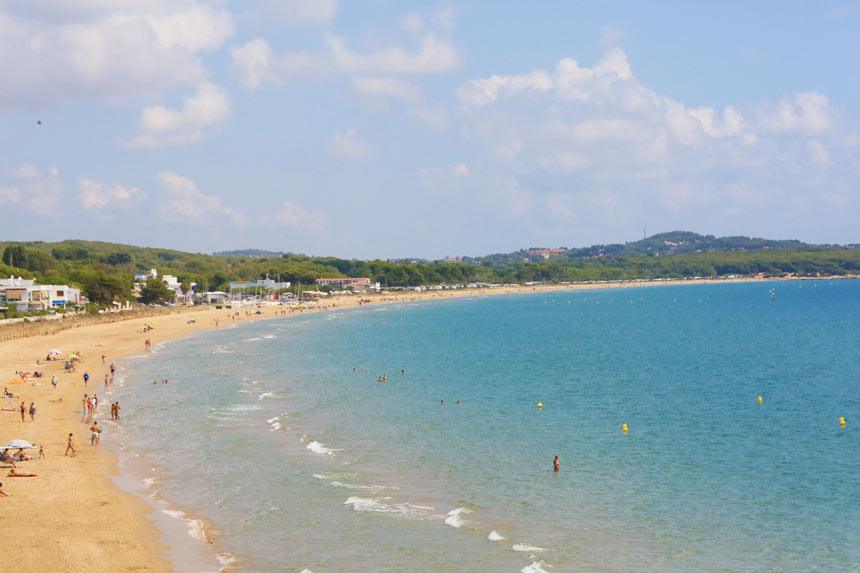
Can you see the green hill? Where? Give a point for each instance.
(105, 271)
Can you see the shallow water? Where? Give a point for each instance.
(301, 462)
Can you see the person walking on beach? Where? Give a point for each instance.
(32, 412)
(86, 378)
(106, 381)
(112, 369)
(94, 434)
(41, 451)
(70, 446)
(556, 465)
(23, 411)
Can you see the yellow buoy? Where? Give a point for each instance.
(841, 421)
(540, 405)
(624, 428)
(760, 400)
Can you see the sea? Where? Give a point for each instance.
(276, 444)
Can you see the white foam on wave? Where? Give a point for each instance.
(195, 526)
(318, 448)
(523, 548)
(270, 336)
(148, 482)
(343, 485)
(535, 567)
(266, 395)
(378, 505)
(245, 408)
(222, 350)
(454, 519)
(306, 571)
(256, 338)
(495, 536)
(273, 420)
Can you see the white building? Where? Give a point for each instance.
(27, 296)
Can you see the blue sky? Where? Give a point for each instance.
(384, 128)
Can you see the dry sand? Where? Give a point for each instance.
(72, 517)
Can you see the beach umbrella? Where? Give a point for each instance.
(16, 444)
(54, 351)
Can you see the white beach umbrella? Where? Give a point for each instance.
(16, 444)
(54, 351)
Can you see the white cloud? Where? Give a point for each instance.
(295, 217)
(386, 87)
(40, 191)
(617, 148)
(296, 12)
(161, 125)
(485, 91)
(55, 50)
(252, 62)
(350, 144)
(808, 113)
(98, 195)
(433, 55)
(183, 201)
(256, 64)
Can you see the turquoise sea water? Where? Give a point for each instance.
(301, 463)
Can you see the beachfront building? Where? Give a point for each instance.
(27, 296)
(345, 282)
(211, 297)
(170, 281)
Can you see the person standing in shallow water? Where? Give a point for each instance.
(556, 465)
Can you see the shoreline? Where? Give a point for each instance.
(79, 513)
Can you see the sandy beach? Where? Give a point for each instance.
(72, 517)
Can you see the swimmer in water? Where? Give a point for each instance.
(556, 465)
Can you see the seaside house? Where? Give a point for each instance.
(360, 284)
(27, 296)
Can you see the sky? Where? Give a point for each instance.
(387, 128)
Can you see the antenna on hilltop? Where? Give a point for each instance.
(644, 236)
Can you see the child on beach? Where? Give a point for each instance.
(32, 412)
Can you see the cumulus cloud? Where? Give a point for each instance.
(161, 125)
(615, 148)
(54, 50)
(295, 217)
(808, 113)
(37, 189)
(256, 64)
(379, 70)
(350, 144)
(183, 201)
(97, 195)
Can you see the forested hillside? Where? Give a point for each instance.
(105, 271)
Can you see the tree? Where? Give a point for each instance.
(15, 256)
(103, 289)
(155, 292)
